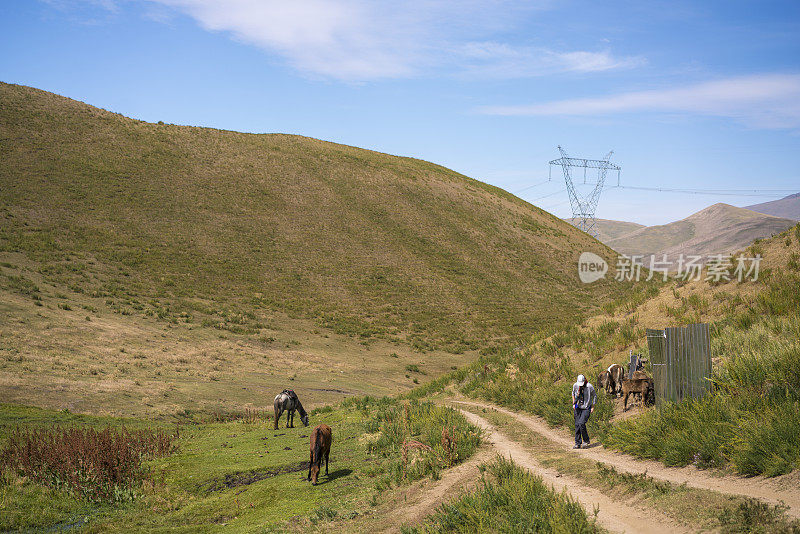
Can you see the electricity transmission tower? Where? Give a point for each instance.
(585, 205)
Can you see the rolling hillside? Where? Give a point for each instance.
(608, 229)
(130, 249)
(720, 228)
(787, 207)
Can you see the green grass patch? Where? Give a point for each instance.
(241, 475)
(510, 499)
(418, 438)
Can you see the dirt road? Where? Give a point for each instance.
(775, 491)
(613, 515)
(420, 502)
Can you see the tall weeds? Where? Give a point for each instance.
(420, 438)
(98, 465)
(509, 499)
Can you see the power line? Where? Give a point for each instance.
(583, 204)
(529, 187)
(554, 205)
(545, 196)
(724, 192)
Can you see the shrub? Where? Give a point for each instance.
(755, 516)
(794, 261)
(781, 296)
(767, 444)
(96, 465)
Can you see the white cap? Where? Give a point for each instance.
(581, 380)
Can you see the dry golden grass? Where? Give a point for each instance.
(138, 366)
(155, 268)
(195, 224)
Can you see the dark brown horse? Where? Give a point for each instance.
(321, 439)
(641, 386)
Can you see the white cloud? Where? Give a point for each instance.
(358, 40)
(502, 60)
(760, 101)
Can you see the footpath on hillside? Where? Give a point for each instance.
(623, 493)
(778, 490)
(613, 515)
(638, 496)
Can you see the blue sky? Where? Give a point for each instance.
(697, 95)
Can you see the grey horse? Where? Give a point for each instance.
(287, 401)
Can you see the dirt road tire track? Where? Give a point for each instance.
(614, 515)
(767, 490)
(452, 483)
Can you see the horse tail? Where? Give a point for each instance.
(321, 438)
(318, 445)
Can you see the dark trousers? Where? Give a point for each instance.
(581, 417)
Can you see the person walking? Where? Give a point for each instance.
(583, 399)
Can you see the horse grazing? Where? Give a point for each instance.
(287, 401)
(321, 439)
(641, 386)
(611, 379)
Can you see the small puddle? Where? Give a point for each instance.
(245, 478)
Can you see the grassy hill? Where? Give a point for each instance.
(786, 207)
(608, 229)
(720, 228)
(209, 256)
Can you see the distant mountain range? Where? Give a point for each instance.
(720, 228)
(608, 229)
(787, 207)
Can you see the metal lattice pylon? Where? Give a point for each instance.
(585, 206)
